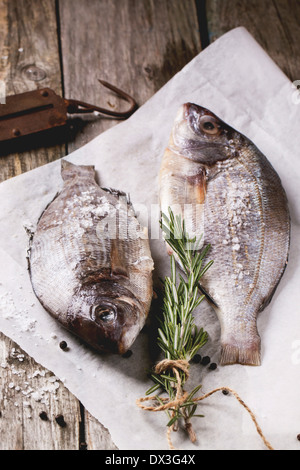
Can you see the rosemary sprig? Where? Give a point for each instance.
(178, 336)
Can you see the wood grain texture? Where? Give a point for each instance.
(26, 390)
(97, 437)
(28, 51)
(275, 24)
(137, 45)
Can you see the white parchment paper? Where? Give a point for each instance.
(238, 81)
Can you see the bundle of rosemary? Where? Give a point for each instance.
(179, 338)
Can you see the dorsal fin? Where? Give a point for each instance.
(69, 170)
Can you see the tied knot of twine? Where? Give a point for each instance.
(175, 365)
(166, 364)
(181, 396)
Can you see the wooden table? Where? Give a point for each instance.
(137, 45)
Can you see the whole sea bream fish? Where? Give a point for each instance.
(226, 189)
(90, 262)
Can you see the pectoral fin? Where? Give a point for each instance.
(197, 186)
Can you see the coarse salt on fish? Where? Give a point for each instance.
(244, 217)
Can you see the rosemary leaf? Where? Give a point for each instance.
(152, 389)
(178, 336)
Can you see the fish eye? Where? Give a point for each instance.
(103, 313)
(209, 125)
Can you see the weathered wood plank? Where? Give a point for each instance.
(275, 24)
(26, 390)
(29, 60)
(138, 45)
(96, 435)
(29, 51)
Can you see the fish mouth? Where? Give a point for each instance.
(194, 112)
(198, 129)
(133, 323)
(128, 337)
(126, 324)
(106, 315)
(189, 108)
(186, 109)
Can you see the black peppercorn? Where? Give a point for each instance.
(205, 360)
(213, 366)
(127, 354)
(43, 415)
(60, 421)
(298, 437)
(196, 359)
(225, 392)
(63, 345)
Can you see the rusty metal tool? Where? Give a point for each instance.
(39, 110)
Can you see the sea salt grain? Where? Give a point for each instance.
(36, 396)
(53, 379)
(39, 372)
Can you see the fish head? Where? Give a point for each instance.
(200, 135)
(107, 316)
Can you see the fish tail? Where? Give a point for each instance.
(235, 355)
(241, 353)
(69, 170)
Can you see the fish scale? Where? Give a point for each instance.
(244, 217)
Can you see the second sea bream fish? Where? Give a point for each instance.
(90, 262)
(227, 190)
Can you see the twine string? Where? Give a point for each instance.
(181, 396)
